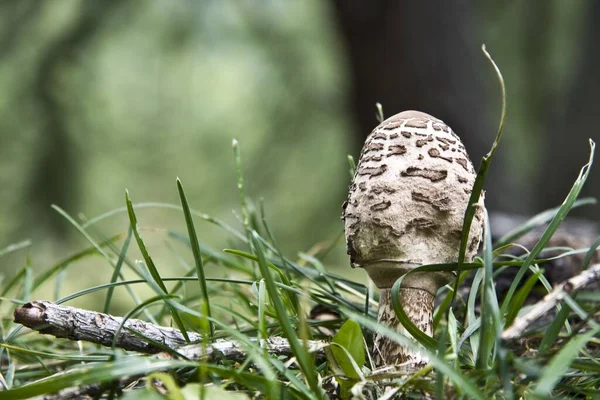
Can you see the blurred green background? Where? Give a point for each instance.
(101, 96)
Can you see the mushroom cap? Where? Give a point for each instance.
(408, 198)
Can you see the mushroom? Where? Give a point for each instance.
(405, 209)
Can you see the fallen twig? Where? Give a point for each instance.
(91, 326)
(550, 300)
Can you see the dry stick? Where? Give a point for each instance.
(90, 326)
(550, 300)
(80, 324)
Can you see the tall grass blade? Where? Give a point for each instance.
(551, 334)
(189, 221)
(560, 363)
(552, 227)
(489, 333)
(151, 268)
(481, 175)
(117, 270)
(302, 355)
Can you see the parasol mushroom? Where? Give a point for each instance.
(405, 209)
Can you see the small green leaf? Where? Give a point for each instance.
(349, 337)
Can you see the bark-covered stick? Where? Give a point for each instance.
(91, 326)
(569, 286)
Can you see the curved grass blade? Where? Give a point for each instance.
(50, 272)
(522, 294)
(132, 314)
(206, 217)
(481, 175)
(441, 310)
(552, 227)
(55, 356)
(213, 254)
(537, 221)
(410, 327)
(93, 374)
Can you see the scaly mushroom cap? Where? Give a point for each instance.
(407, 202)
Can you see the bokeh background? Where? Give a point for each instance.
(99, 96)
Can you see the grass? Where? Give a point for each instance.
(259, 292)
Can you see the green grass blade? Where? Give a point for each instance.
(201, 215)
(554, 224)
(452, 333)
(132, 314)
(240, 185)
(117, 270)
(522, 294)
(151, 268)
(255, 353)
(481, 176)
(292, 297)
(410, 327)
(590, 254)
(379, 113)
(262, 302)
(205, 305)
(52, 271)
(446, 303)
(560, 363)
(93, 374)
(11, 248)
(459, 378)
(85, 234)
(490, 313)
(352, 166)
(471, 319)
(551, 334)
(55, 356)
(537, 221)
(302, 355)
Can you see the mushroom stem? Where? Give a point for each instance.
(418, 305)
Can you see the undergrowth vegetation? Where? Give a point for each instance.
(261, 293)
